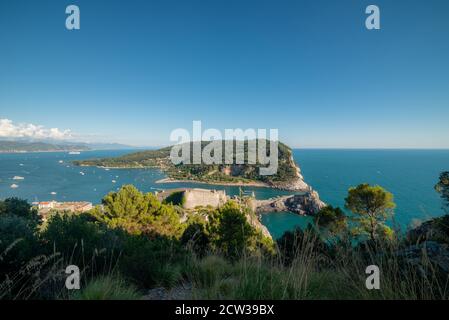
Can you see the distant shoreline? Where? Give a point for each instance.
(41, 151)
(217, 183)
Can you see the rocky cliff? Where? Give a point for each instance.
(308, 203)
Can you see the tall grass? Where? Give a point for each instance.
(314, 274)
(309, 272)
(110, 287)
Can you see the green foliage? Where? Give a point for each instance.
(149, 262)
(305, 267)
(82, 240)
(20, 208)
(372, 206)
(177, 198)
(196, 238)
(138, 213)
(149, 158)
(207, 271)
(233, 233)
(107, 288)
(332, 220)
(292, 243)
(442, 187)
(18, 243)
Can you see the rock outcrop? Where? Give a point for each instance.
(427, 252)
(308, 203)
(429, 244)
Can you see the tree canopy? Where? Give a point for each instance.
(372, 206)
(442, 187)
(138, 213)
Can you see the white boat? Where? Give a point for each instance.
(113, 181)
(74, 152)
(21, 164)
(107, 169)
(53, 193)
(14, 186)
(60, 161)
(82, 173)
(18, 178)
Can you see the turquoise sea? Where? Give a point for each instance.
(409, 174)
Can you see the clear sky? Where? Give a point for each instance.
(138, 69)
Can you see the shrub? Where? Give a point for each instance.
(148, 262)
(82, 241)
(107, 288)
(138, 213)
(297, 242)
(18, 243)
(177, 198)
(20, 208)
(196, 238)
(207, 271)
(233, 233)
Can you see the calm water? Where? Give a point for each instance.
(409, 174)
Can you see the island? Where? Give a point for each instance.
(287, 177)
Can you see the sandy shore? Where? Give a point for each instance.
(234, 184)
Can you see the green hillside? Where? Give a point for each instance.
(227, 173)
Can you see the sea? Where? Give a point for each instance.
(409, 174)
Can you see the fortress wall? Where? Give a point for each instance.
(203, 197)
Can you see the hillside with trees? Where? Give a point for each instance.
(212, 173)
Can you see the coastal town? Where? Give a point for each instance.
(45, 207)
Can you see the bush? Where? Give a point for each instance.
(177, 198)
(152, 262)
(82, 241)
(233, 234)
(196, 238)
(138, 213)
(107, 288)
(297, 243)
(207, 271)
(20, 208)
(18, 243)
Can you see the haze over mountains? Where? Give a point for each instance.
(51, 145)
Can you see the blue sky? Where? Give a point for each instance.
(138, 69)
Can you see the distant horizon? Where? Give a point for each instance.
(137, 147)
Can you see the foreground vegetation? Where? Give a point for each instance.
(133, 243)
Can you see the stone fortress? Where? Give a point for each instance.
(204, 197)
(306, 203)
(197, 197)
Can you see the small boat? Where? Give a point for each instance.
(53, 193)
(60, 161)
(18, 178)
(21, 164)
(14, 186)
(107, 169)
(113, 181)
(74, 152)
(82, 173)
